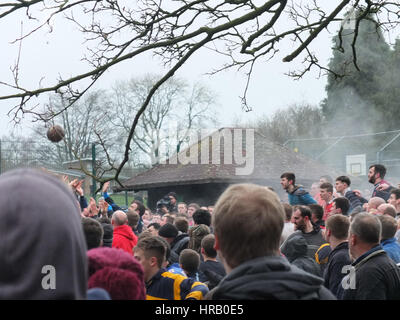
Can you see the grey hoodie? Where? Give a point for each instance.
(41, 236)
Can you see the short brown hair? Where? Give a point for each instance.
(133, 218)
(248, 221)
(182, 224)
(339, 226)
(207, 244)
(152, 246)
(389, 226)
(288, 210)
(189, 260)
(328, 186)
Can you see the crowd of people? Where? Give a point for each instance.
(330, 243)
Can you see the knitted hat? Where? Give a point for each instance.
(117, 272)
(108, 234)
(168, 230)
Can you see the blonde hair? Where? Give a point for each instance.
(248, 221)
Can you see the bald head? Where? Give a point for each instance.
(375, 202)
(387, 209)
(119, 218)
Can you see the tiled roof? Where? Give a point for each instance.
(270, 161)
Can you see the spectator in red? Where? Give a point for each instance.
(123, 237)
(326, 192)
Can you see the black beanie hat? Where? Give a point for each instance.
(168, 230)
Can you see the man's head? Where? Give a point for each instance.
(301, 218)
(119, 218)
(326, 191)
(182, 224)
(182, 208)
(192, 207)
(394, 199)
(133, 218)
(201, 216)
(169, 232)
(341, 205)
(207, 246)
(386, 208)
(317, 212)
(389, 227)
(314, 191)
(150, 252)
(325, 179)
(210, 209)
(288, 212)
(189, 261)
(365, 233)
(153, 228)
(337, 228)
(287, 179)
(248, 222)
(138, 206)
(93, 233)
(374, 203)
(376, 173)
(342, 183)
(172, 198)
(147, 215)
(167, 218)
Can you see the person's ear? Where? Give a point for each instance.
(153, 261)
(353, 239)
(216, 243)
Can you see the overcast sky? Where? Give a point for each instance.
(55, 53)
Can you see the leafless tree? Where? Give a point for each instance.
(175, 109)
(244, 31)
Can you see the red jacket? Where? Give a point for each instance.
(124, 238)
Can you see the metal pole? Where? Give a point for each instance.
(94, 170)
(126, 198)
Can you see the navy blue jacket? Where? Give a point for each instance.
(338, 258)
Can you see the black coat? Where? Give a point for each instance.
(180, 243)
(270, 277)
(338, 258)
(377, 277)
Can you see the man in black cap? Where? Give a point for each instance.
(176, 239)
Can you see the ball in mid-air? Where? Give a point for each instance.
(55, 133)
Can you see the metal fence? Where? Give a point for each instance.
(379, 147)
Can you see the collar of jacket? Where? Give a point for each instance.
(388, 241)
(155, 277)
(295, 188)
(343, 245)
(368, 255)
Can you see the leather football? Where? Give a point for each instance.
(55, 133)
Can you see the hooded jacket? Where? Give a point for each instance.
(270, 278)
(296, 253)
(42, 245)
(180, 243)
(124, 238)
(299, 196)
